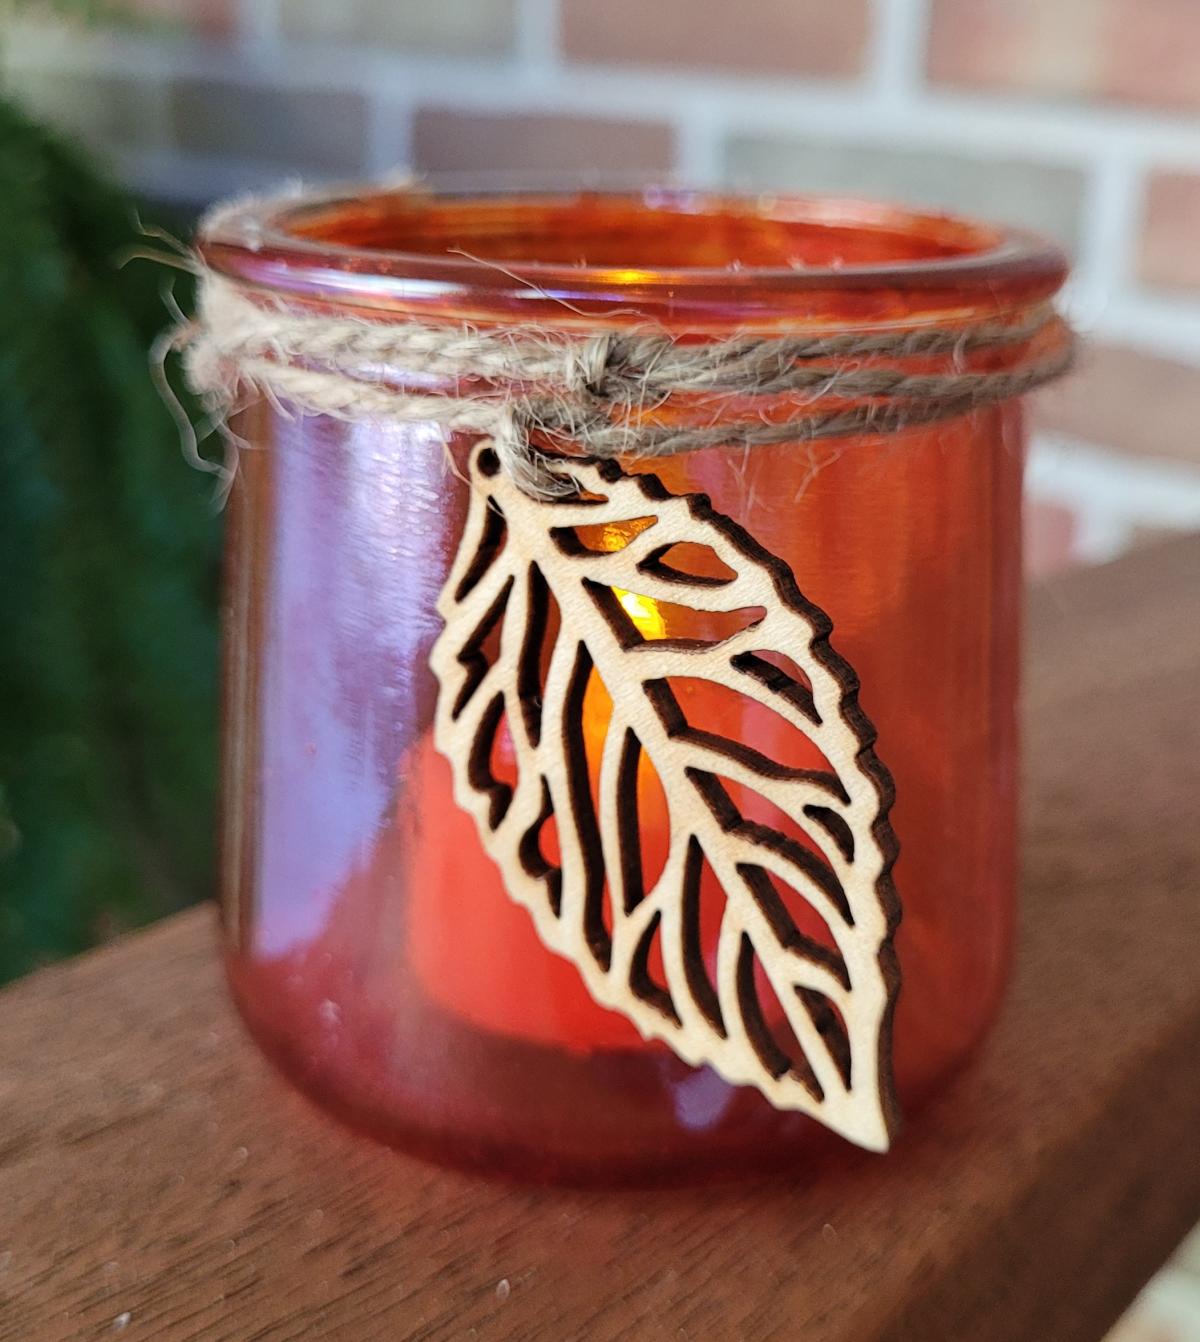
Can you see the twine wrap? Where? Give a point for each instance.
(547, 396)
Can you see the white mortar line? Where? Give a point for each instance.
(1109, 226)
(388, 150)
(1153, 490)
(698, 139)
(896, 54)
(537, 37)
(1159, 324)
(259, 26)
(1112, 495)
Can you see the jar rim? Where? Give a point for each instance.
(285, 243)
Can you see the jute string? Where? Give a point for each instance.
(546, 396)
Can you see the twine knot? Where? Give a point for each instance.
(586, 365)
(548, 397)
(604, 368)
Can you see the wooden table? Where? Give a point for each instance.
(157, 1181)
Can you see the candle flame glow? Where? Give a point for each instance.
(644, 613)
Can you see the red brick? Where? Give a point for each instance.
(1050, 532)
(1145, 51)
(460, 27)
(1045, 197)
(208, 18)
(778, 37)
(451, 141)
(1129, 401)
(317, 130)
(1170, 248)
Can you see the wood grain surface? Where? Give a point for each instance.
(157, 1181)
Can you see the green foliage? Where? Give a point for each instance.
(108, 568)
(87, 11)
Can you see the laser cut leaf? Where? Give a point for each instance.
(596, 650)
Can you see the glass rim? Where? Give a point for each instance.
(274, 242)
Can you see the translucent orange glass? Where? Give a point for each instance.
(371, 946)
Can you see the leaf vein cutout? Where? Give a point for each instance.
(790, 992)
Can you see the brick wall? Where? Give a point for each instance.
(1080, 118)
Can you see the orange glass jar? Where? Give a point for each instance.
(371, 946)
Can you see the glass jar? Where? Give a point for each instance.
(370, 943)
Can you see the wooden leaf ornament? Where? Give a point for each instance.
(667, 763)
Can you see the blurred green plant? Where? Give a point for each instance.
(89, 13)
(80, 11)
(108, 576)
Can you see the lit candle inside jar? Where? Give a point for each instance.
(371, 943)
(477, 953)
